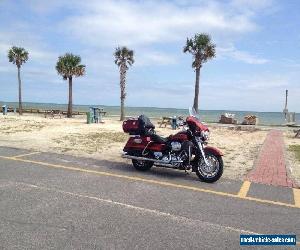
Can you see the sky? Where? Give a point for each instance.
(257, 52)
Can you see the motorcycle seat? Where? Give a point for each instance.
(159, 139)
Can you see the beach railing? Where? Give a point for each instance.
(73, 112)
(45, 111)
(25, 110)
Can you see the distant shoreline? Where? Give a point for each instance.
(210, 116)
(35, 104)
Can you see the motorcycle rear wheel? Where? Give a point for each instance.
(142, 165)
(210, 173)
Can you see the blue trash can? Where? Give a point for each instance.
(96, 114)
(93, 114)
(4, 109)
(174, 123)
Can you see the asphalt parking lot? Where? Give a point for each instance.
(51, 201)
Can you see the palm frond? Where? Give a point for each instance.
(69, 65)
(123, 55)
(201, 47)
(18, 55)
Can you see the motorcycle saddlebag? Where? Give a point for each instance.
(131, 126)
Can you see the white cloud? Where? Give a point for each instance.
(243, 56)
(256, 83)
(147, 22)
(247, 57)
(152, 57)
(37, 51)
(141, 24)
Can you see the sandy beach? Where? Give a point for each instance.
(105, 141)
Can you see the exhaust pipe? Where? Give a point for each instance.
(158, 162)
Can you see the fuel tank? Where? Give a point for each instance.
(180, 136)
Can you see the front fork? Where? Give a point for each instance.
(199, 146)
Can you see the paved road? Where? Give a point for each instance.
(50, 201)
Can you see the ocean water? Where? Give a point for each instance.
(265, 118)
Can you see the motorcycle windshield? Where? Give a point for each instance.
(194, 113)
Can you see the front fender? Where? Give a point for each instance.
(213, 150)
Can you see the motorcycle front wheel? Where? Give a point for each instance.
(211, 172)
(142, 165)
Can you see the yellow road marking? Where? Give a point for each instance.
(296, 196)
(32, 153)
(162, 183)
(244, 189)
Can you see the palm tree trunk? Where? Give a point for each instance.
(122, 117)
(196, 97)
(69, 114)
(20, 91)
(122, 86)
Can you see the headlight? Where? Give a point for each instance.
(205, 135)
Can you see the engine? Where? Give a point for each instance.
(172, 157)
(178, 156)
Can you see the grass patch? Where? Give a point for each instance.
(296, 150)
(9, 129)
(91, 142)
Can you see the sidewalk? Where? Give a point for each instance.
(270, 167)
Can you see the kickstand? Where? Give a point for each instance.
(187, 170)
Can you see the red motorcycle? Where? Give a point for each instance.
(185, 150)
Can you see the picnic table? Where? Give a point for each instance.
(228, 118)
(165, 121)
(53, 112)
(174, 122)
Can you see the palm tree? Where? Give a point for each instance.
(68, 66)
(18, 56)
(202, 49)
(123, 58)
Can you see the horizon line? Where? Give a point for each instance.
(146, 107)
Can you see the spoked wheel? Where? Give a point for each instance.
(142, 165)
(211, 172)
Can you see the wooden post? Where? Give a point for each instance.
(285, 111)
(286, 96)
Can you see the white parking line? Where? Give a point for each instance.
(32, 153)
(142, 209)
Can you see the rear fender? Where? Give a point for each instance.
(212, 150)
